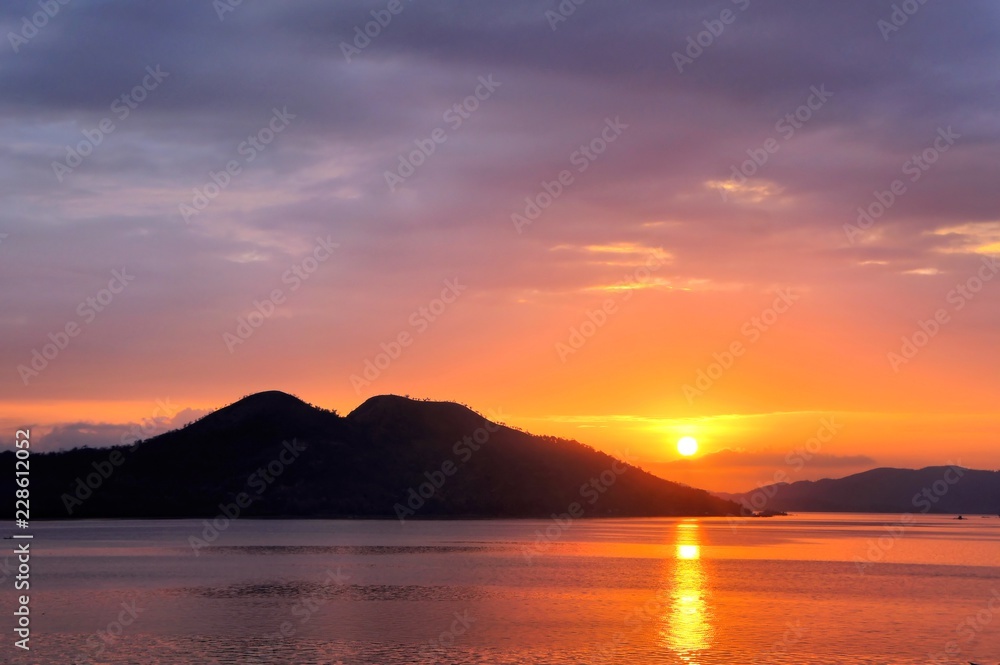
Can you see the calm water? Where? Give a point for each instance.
(784, 590)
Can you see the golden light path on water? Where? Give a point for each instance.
(687, 628)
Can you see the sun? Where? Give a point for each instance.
(687, 446)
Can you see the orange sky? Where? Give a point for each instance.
(549, 224)
(621, 390)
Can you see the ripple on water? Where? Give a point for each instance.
(300, 588)
(356, 550)
(222, 650)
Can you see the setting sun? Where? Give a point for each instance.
(687, 446)
(483, 316)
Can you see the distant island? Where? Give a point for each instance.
(935, 489)
(272, 455)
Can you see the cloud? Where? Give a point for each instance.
(732, 470)
(657, 186)
(102, 435)
(738, 459)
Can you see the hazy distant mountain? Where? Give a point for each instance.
(390, 456)
(935, 489)
(745, 468)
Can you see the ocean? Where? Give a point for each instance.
(810, 588)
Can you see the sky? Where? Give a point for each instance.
(771, 226)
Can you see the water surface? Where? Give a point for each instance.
(799, 589)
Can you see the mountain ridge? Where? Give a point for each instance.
(947, 489)
(391, 456)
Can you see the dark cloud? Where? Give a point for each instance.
(325, 174)
(735, 459)
(747, 469)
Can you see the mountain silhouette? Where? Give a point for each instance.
(391, 457)
(934, 489)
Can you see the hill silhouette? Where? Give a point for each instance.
(392, 456)
(934, 489)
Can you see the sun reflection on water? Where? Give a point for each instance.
(687, 626)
